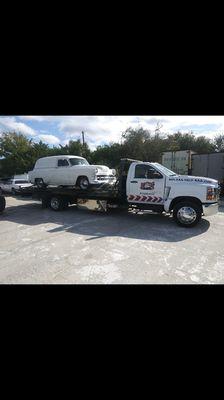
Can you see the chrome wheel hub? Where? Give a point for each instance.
(186, 215)
(84, 184)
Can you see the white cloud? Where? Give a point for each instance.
(97, 129)
(10, 124)
(106, 129)
(51, 139)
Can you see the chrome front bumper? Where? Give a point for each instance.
(210, 209)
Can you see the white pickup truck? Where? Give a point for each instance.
(145, 186)
(68, 170)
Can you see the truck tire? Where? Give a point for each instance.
(187, 213)
(57, 203)
(83, 182)
(2, 203)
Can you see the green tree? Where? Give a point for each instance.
(203, 145)
(109, 155)
(219, 142)
(188, 141)
(17, 152)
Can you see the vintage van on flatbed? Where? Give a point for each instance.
(65, 170)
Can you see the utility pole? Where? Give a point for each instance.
(83, 138)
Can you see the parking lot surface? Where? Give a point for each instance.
(76, 246)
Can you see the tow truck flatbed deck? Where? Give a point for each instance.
(103, 192)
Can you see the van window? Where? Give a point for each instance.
(78, 161)
(63, 163)
(146, 172)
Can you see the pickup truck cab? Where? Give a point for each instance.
(152, 186)
(68, 170)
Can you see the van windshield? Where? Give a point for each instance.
(165, 170)
(78, 161)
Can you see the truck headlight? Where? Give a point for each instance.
(211, 193)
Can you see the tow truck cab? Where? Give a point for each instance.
(152, 186)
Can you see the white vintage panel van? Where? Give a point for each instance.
(68, 170)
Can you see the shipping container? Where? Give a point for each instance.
(209, 165)
(178, 161)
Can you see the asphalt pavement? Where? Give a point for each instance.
(77, 246)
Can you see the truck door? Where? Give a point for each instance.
(146, 185)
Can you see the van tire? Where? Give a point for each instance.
(2, 203)
(187, 213)
(40, 183)
(83, 182)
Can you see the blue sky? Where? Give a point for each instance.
(99, 130)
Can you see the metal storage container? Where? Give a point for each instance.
(209, 165)
(178, 161)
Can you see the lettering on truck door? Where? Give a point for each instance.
(146, 185)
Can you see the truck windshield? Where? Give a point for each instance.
(78, 161)
(165, 170)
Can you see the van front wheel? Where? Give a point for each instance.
(187, 214)
(83, 182)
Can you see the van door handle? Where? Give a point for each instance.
(134, 182)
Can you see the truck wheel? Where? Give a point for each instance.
(2, 203)
(40, 183)
(83, 182)
(187, 214)
(58, 203)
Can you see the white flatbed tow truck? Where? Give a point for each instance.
(140, 186)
